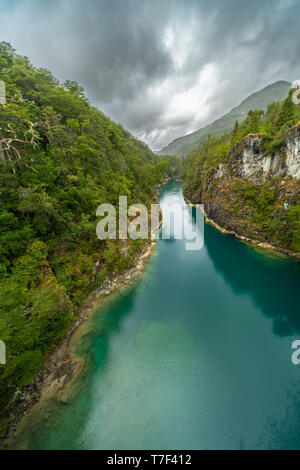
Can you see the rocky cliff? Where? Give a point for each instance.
(249, 161)
(255, 194)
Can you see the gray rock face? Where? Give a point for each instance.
(293, 152)
(220, 190)
(249, 162)
(221, 171)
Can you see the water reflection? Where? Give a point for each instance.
(186, 359)
(272, 283)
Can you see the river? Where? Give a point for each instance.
(196, 355)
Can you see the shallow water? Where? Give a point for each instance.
(197, 355)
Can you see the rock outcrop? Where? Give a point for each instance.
(251, 193)
(292, 150)
(250, 162)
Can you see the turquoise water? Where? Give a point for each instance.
(197, 355)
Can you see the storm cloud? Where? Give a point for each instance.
(162, 68)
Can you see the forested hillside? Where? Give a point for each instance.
(59, 159)
(249, 179)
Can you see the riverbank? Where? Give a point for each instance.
(252, 241)
(63, 366)
(176, 341)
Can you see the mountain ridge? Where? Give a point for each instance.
(260, 99)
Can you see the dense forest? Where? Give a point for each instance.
(59, 159)
(257, 210)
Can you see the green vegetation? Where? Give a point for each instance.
(171, 165)
(294, 223)
(274, 123)
(184, 145)
(59, 159)
(258, 207)
(275, 224)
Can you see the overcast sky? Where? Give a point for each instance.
(163, 68)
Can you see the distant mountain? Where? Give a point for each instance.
(277, 91)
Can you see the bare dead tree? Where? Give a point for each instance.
(9, 150)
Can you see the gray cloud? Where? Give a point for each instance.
(160, 67)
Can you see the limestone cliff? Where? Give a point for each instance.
(255, 193)
(248, 160)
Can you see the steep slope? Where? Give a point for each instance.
(249, 183)
(278, 91)
(59, 159)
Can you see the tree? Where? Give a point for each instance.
(10, 146)
(236, 128)
(73, 87)
(287, 115)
